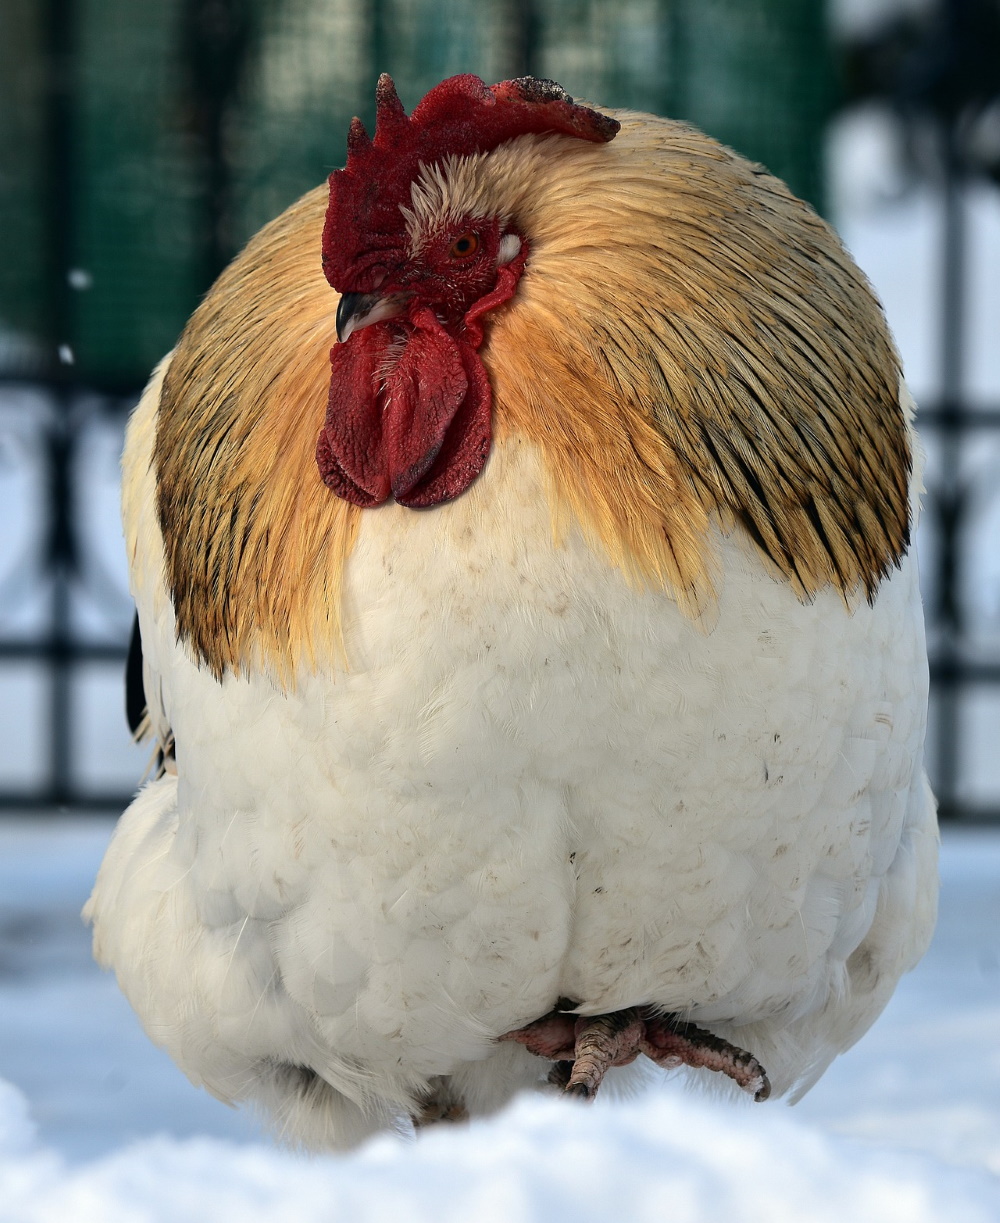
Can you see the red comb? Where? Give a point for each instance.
(459, 117)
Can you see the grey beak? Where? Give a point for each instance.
(351, 310)
(357, 310)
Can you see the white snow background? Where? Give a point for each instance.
(97, 1126)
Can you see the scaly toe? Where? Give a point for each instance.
(603, 1041)
(671, 1042)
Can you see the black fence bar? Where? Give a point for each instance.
(61, 34)
(948, 419)
(62, 650)
(35, 803)
(949, 503)
(956, 673)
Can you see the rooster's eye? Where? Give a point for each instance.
(464, 246)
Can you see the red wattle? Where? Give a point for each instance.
(350, 450)
(409, 415)
(423, 394)
(465, 445)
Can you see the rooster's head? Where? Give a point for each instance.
(420, 253)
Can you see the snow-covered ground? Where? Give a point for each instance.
(96, 1126)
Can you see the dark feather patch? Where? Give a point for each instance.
(135, 692)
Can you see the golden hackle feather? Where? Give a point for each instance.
(698, 346)
(689, 345)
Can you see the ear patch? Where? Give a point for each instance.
(510, 248)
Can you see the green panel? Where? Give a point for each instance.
(754, 73)
(315, 65)
(23, 266)
(135, 233)
(307, 69)
(758, 77)
(610, 54)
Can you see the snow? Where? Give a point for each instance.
(654, 1159)
(905, 1128)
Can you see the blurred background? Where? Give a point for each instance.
(142, 144)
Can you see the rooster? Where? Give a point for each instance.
(537, 672)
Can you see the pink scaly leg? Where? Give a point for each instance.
(584, 1048)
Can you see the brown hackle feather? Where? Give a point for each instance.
(254, 541)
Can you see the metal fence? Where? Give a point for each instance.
(143, 144)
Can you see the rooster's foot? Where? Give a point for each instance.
(584, 1048)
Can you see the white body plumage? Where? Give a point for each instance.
(530, 781)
